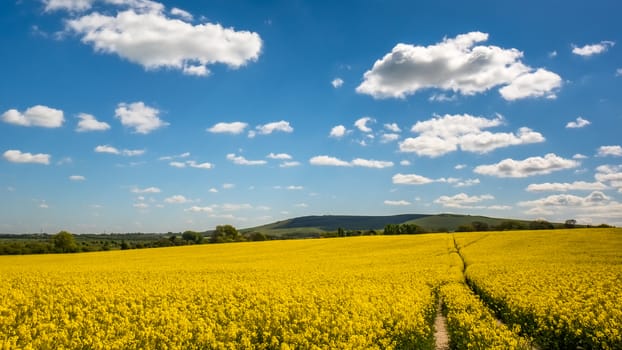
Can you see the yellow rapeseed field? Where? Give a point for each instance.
(376, 292)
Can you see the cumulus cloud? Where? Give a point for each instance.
(337, 82)
(405, 162)
(397, 203)
(411, 179)
(541, 83)
(191, 164)
(386, 138)
(146, 190)
(143, 119)
(338, 131)
(462, 200)
(281, 156)
(289, 164)
(145, 35)
(77, 178)
(113, 150)
(240, 160)
(177, 199)
(38, 115)
(360, 162)
(565, 186)
(579, 123)
(443, 134)
(393, 127)
(269, 128)
(594, 206)
(228, 128)
(457, 65)
(361, 124)
(615, 151)
(592, 49)
(70, 5)
(197, 209)
(527, 167)
(182, 155)
(17, 156)
(89, 123)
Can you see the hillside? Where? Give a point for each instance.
(314, 225)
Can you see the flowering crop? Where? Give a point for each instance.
(561, 287)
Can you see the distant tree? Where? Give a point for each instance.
(480, 226)
(192, 236)
(540, 225)
(124, 245)
(570, 223)
(257, 236)
(510, 225)
(392, 229)
(225, 233)
(64, 242)
(341, 232)
(465, 228)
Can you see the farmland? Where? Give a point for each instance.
(551, 288)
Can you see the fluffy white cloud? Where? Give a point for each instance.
(38, 115)
(77, 178)
(114, 150)
(177, 164)
(289, 164)
(393, 127)
(197, 209)
(461, 200)
(282, 156)
(177, 199)
(228, 186)
(360, 162)
(17, 156)
(592, 49)
(361, 124)
(397, 203)
(405, 162)
(411, 179)
(541, 83)
(579, 156)
(205, 165)
(595, 198)
(82, 5)
(527, 167)
(579, 123)
(185, 15)
(386, 138)
(337, 82)
(455, 64)
(338, 131)
(327, 161)
(228, 128)
(615, 151)
(89, 123)
(145, 35)
(143, 119)
(146, 190)
(565, 187)
(444, 134)
(234, 206)
(182, 155)
(240, 160)
(466, 183)
(611, 174)
(269, 128)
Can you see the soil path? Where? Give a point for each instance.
(441, 337)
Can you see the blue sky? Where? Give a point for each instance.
(136, 115)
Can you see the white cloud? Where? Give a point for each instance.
(370, 163)
(228, 128)
(281, 156)
(38, 115)
(361, 124)
(592, 49)
(456, 65)
(17, 156)
(579, 156)
(269, 128)
(240, 160)
(444, 134)
(146, 190)
(405, 162)
(460, 166)
(327, 161)
(197, 209)
(143, 119)
(114, 150)
(183, 155)
(89, 123)
(228, 186)
(143, 34)
(70, 5)
(527, 167)
(141, 205)
(462, 200)
(213, 190)
(77, 178)
(337, 82)
(194, 164)
(615, 151)
(177, 199)
(565, 187)
(579, 123)
(234, 207)
(467, 183)
(541, 83)
(177, 164)
(411, 179)
(397, 203)
(338, 131)
(301, 205)
(386, 138)
(290, 164)
(185, 15)
(360, 162)
(553, 54)
(393, 127)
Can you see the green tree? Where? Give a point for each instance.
(225, 233)
(64, 242)
(192, 236)
(571, 223)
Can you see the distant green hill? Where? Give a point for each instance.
(315, 225)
